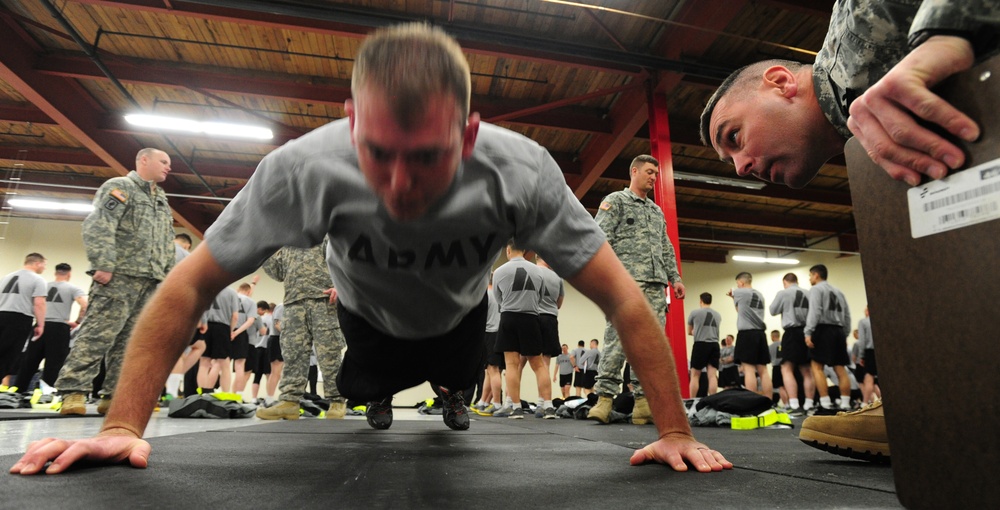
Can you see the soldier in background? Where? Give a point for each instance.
(53, 345)
(637, 233)
(128, 239)
(22, 298)
(793, 305)
(703, 324)
(309, 320)
(751, 341)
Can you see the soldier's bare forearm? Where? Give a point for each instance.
(605, 281)
(158, 340)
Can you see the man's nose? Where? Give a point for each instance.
(400, 177)
(744, 165)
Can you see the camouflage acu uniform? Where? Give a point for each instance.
(866, 38)
(637, 232)
(309, 320)
(129, 234)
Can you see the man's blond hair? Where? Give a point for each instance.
(409, 63)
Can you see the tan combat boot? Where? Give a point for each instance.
(860, 434)
(641, 415)
(283, 410)
(602, 411)
(337, 410)
(74, 403)
(103, 405)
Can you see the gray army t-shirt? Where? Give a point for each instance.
(412, 279)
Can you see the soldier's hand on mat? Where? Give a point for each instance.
(883, 118)
(109, 449)
(674, 449)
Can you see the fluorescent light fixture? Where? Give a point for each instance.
(51, 205)
(720, 181)
(195, 126)
(766, 260)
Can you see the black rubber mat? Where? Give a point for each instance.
(421, 464)
(27, 414)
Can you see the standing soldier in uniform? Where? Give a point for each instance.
(827, 326)
(751, 341)
(310, 319)
(129, 243)
(637, 233)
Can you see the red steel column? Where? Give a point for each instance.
(663, 194)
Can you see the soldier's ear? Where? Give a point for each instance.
(781, 80)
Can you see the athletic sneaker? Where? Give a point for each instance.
(455, 414)
(824, 411)
(859, 434)
(486, 411)
(504, 412)
(74, 403)
(379, 413)
(797, 413)
(517, 413)
(549, 413)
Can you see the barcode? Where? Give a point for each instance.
(962, 197)
(972, 212)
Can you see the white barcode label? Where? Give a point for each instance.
(969, 197)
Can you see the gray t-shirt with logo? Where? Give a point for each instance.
(60, 299)
(749, 309)
(706, 324)
(418, 278)
(18, 291)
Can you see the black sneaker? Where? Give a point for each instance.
(456, 415)
(825, 411)
(379, 413)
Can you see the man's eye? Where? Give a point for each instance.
(379, 154)
(732, 136)
(425, 158)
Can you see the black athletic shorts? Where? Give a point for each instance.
(793, 346)
(274, 349)
(751, 347)
(241, 346)
(218, 342)
(565, 379)
(776, 380)
(587, 379)
(495, 357)
(830, 346)
(15, 329)
(520, 333)
(262, 361)
(729, 376)
(549, 325)
(704, 354)
(871, 366)
(377, 365)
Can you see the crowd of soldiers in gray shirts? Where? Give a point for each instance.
(240, 339)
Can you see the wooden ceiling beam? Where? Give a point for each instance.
(69, 105)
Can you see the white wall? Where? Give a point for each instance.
(59, 241)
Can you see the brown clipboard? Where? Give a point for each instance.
(935, 314)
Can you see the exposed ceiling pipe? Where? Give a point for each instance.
(96, 59)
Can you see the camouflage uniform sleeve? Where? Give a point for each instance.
(670, 259)
(977, 20)
(607, 217)
(101, 226)
(275, 266)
